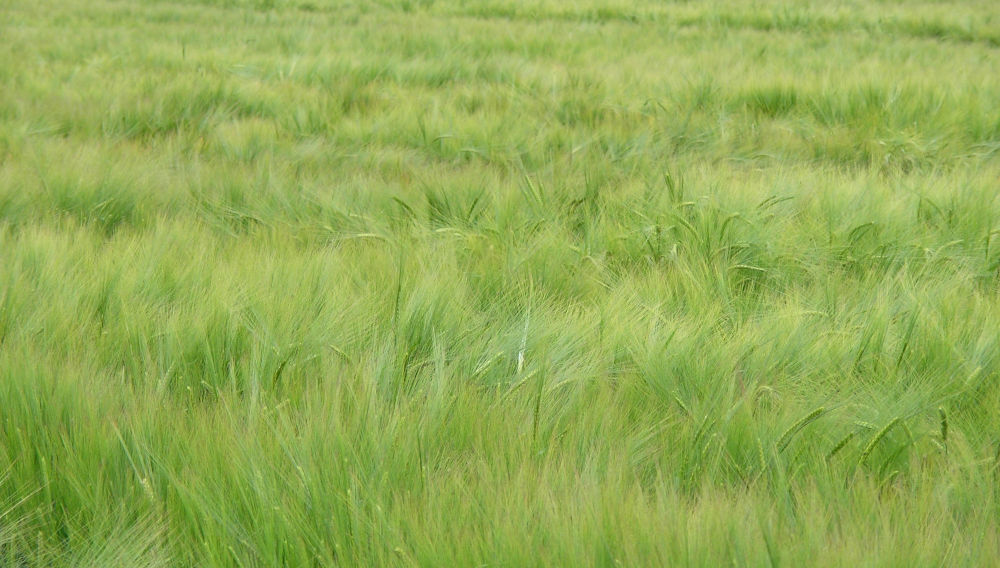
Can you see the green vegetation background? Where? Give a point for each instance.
(480, 282)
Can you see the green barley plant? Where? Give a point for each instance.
(482, 283)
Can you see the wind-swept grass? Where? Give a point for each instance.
(439, 283)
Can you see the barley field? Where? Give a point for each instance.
(499, 283)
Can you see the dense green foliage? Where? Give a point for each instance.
(481, 282)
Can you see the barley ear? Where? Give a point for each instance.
(878, 438)
(840, 445)
(785, 438)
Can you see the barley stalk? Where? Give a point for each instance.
(944, 425)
